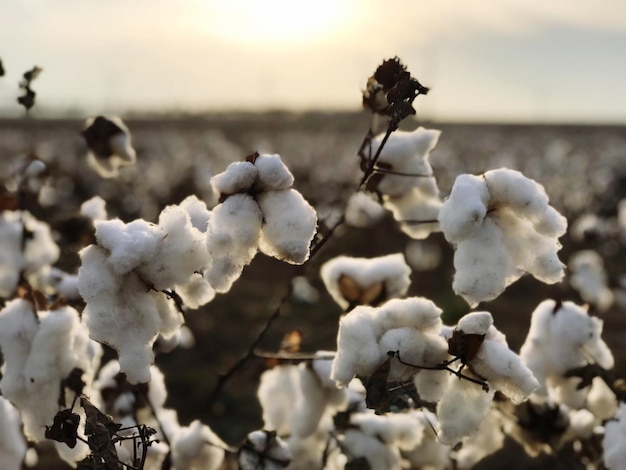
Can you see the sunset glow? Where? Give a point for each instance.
(276, 21)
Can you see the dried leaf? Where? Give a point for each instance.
(100, 429)
(464, 345)
(64, 428)
(374, 294)
(377, 394)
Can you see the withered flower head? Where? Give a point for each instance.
(28, 99)
(391, 91)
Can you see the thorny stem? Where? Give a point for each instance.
(443, 366)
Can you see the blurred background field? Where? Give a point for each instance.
(583, 169)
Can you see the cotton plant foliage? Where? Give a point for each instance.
(501, 226)
(259, 212)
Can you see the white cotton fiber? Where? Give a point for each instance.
(289, 224)
(391, 270)
(614, 454)
(196, 447)
(278, 391)
(180, 253)
(129, 245)
(363, 211)
(94, 209)
(238, 177)
(272, 173)
(198, 212)
(465, 209)
(500, 235)
(461, 409)
(232, 239)
(12, 443)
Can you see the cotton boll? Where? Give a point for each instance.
(358, 444)
(504, 371)
(401, 430)
(416, 213)
(483, 265)
(413, 312)
(238, 178)
(94, 209)
(198, 212)
(311, 403)
(362, 211)
(405, 152)
(196, 447)
(12, 443)
(130, 245)
(601, 400)
(589, 278)
(357, 351)
(128, 321)
(614, 454)
(109, 143)
(272, 173)
(409, 342)
(487, 440)
(431, 384)
(391, 270)
(422, 255)
(279, 388)
(466, 207)
(232, 239)
(475, 323)
(461, 410)
(196, 292)
(289, 225)
(429, 453)
(180, 254)
(11, 257)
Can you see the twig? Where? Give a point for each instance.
(222, 379)
(370, 168)
(444, 366)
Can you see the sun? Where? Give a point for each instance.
(276, 21)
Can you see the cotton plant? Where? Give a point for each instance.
(501, 226)
(41, 350)
(589, 278)
(484, 352)
(366, 281)
(109, 145)
(26, 247)
(259, 211)
(367, 334)
(299, 402)
(405, 180)
(563, 337)
(128, 278)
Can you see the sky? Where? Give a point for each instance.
(484, 60)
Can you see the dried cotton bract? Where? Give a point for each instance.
(366, 281)
(501, 226)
